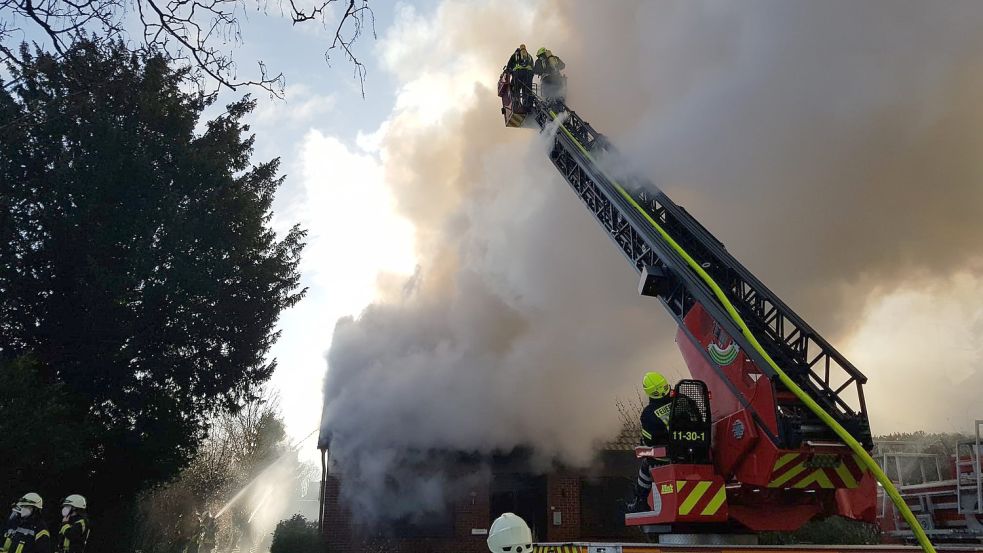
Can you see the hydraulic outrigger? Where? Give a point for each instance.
(790, 433)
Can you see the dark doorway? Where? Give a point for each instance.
(524, 495)
(602, 501)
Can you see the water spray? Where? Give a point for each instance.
(290, 450)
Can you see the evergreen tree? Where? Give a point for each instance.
(137, 265)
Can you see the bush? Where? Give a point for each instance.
(831, 531)
(297, 535)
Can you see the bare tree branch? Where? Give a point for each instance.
(195, 32)
(630, 411)
(355, 15)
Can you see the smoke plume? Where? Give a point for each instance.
(834, 147)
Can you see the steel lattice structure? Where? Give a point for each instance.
(825, 374)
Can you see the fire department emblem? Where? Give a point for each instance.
(723, 350)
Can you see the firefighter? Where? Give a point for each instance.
(189, 532)
(520, 67)
(540, 66)
(206, 540)
(655, 432)
(549, 68)
(26, 532)
(74, 531)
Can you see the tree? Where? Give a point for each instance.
(297, 535)
(193, 33)
(136, 262)
(244, 451)
(630, 412)
(37, 418)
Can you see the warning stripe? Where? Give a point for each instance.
(784, 460)
(704, 497)
(792, 470)
(710, 497)
(817, 476)
(846, 476)
(715, 502)
(687, 505)
(556, 549)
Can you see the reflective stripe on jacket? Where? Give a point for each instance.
(73, 535)
(27, 539)
(655, 421)
(518, 61)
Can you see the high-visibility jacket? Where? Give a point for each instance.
(655, 421)
(520, 61)
(548, 66)
(27, 536)
(73, 535)
(555, 64)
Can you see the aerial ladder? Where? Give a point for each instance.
(786, 437)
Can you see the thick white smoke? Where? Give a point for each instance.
(832, 147)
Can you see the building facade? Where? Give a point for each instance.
(561, 505)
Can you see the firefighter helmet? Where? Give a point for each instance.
(30, 500)
(510, 534)
(541, 51)
(655, 385)
(75, 501)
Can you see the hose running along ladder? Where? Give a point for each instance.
(657, 235)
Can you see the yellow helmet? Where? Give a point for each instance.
(655, 385)
(541, 51)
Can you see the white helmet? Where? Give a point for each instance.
(75, 500)
(510, 534)
(30, 500)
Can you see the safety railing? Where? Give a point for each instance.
(970, 483)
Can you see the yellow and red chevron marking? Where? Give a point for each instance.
(700, 498)
(811, 471)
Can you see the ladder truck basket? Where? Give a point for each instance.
(689, 423)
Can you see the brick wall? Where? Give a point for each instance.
(337, 519)
(470, 514)
(563, 497)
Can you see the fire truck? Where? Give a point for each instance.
(772, 431)
(944, 493)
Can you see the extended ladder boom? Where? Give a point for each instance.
(808, 358)
(791, 446)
